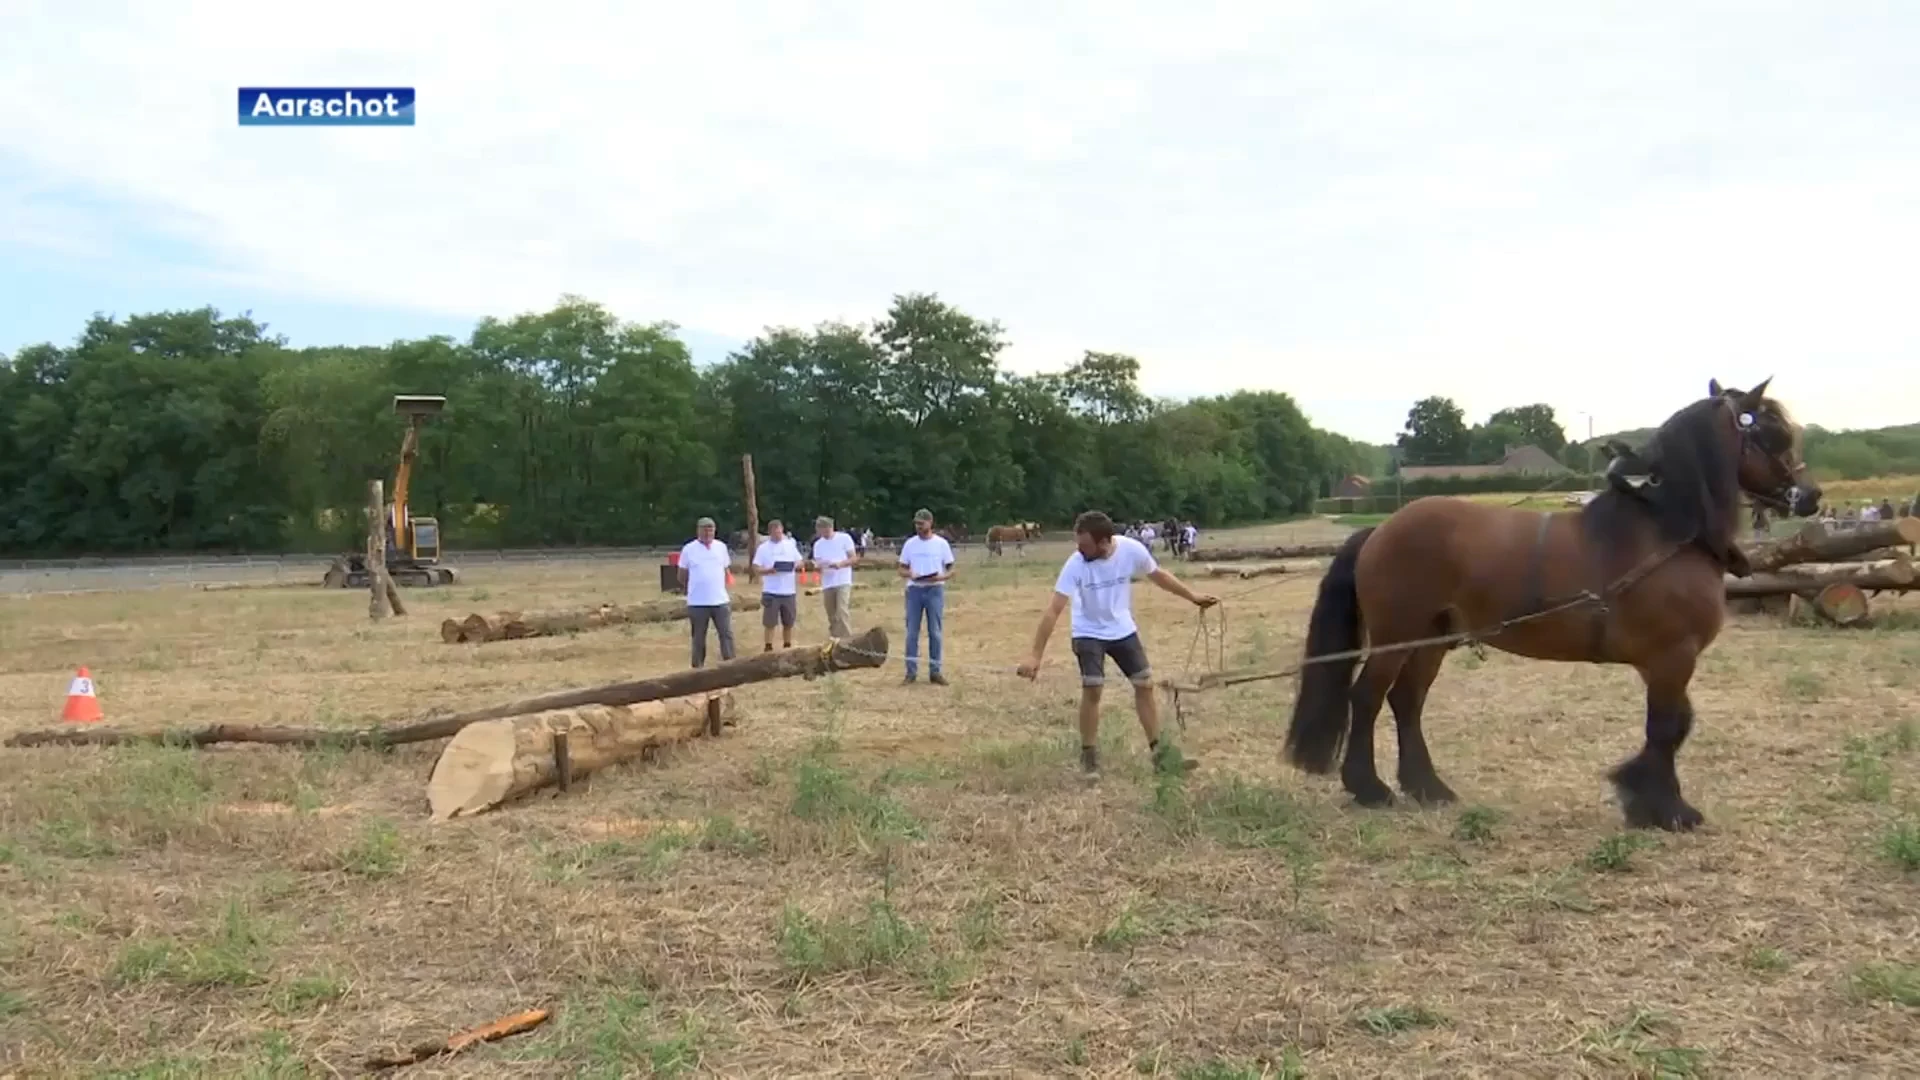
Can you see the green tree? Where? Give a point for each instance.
(1435, 434)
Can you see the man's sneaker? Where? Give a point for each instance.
(1089, 764)
(909, 680)
(937, 679)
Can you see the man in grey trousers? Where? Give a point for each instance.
(704, 565)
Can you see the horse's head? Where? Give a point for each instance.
(1771, 470)
(1032, 529)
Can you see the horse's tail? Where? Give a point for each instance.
(1323, 710)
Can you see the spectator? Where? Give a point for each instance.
(1886, 508)
(926, 562)
(704, 564)
(834, 556)
(776, 562)
(1098, 580)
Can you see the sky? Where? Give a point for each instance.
(1600, 206)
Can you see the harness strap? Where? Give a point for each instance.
(1603, 609)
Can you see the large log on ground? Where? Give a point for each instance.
(1299, 551)
(1895, 574)
(1816, 543)
(868, 650)
(1841, 603)
(1244, 572)
(514, 625)
(488, 763)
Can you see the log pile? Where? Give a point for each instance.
(1827, 574)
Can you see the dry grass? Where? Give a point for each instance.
(867, 878)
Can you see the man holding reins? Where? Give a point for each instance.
(1098, 581)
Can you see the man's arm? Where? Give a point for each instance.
(1048, 620)
(1164, 578)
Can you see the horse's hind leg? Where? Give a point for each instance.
(1357, 772)
(1418, 780)
(1647, 782)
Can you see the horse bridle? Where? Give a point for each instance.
(1746, 424)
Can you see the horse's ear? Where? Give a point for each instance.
(1760, 391)
(1713, 387)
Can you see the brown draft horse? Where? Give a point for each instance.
(1019, 534)
(1634, 577)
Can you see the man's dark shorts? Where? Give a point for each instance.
(1128, 653)
(778, 610)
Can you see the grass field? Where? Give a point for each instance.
(871, 879)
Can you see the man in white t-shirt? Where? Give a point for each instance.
(704, 563)
(926, 562)
(834, 556)
(776, 562)
(1098, 581)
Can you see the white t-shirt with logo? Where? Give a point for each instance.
(834, 548)
(1102, 590)
(783, 550)
(706, 566)
(923, 555)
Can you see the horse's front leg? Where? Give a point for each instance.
(1648, 783)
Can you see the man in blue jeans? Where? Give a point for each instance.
(926, 563)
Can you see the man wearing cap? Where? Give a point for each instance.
(834, 556)
(704, 563)
(775, 561)
(926, 562)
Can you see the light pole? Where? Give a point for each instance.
(1589, 416)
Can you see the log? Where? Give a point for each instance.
(514, 625)
(1816, 544)
(490, 763)
(1244, 572)
(1841, 603)
(453, 1044)
(379, 603)
(869, 650)
(1894, 575)
(753, 509)
(1267, 554)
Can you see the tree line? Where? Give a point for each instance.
(1437, 433)
(194, 431)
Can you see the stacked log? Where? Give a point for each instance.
(514, 625)
(1829, 574)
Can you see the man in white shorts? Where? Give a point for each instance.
(1098, 580)
(776, 562)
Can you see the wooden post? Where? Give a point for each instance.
(378, 607)
(753, 511)
(713, 717)
(563, 760)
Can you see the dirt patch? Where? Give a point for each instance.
(869, 877)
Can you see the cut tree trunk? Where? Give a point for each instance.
(1300, 551)
(1896, 575)
(514, 625)
(1841, 603)
(1244, 572)
(488, 763)
(1816, 544)
(869, 650)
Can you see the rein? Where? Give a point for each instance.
(1586, 598)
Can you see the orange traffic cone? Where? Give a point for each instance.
(82, 706)
(729, 579)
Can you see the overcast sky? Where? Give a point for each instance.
(1595, 205)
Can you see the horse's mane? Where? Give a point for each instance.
(1698, 492)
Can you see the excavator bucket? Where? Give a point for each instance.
(418, 404)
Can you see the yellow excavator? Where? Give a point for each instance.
(413, 543)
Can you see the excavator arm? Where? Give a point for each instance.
(397, 519)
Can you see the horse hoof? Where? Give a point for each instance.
(1373, 796)
(1432, 792)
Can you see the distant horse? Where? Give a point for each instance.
(1019, 534)
(1636, 577)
